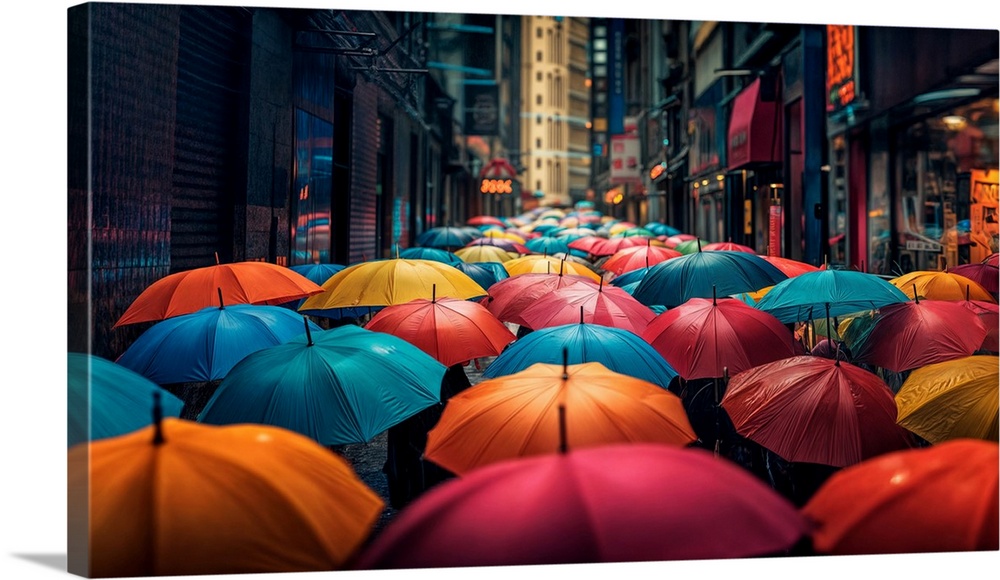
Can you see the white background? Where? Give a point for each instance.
(33, 408)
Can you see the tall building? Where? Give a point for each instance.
(555, 108)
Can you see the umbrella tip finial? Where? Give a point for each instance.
(563, 447)
(714, 301)
(221, 304)
(434, 291)
(309, 336)
(699, 244)
(967, 287)
(565, 374)
(157, 419)
(916, 298)
(217, 259)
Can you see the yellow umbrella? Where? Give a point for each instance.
(182, 498)
(395, 281)
(952, 399)
(935, 285)
(504, 235)
(538, 264)
(484, 253)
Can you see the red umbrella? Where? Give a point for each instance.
(450, 330)
(615, 503)
(703, 337)
(993, 260)
(680, 238)
(815, 410)
(989, 315)
(502, 243)
(937, 499)
(912, 334)
(628, 259)
(510, 296)
(789, 267)
(485, 220)
(986, 275)
(594, 304)
(730, 246)
(599, 246)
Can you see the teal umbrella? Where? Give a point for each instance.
(435, 254)
(704, 275)
(827, 293)
(446, 238)
(618, 349)
(485, 274)
(547, 245)
(108, 400)
(338, 386)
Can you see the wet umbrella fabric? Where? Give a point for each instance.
(615, 503)
(703, 275)
(519, 415)
(205, 345)
(452, 331)
(338, 386)
(619, 350)
(604, 304)
(811, 409)
(807, 296)
(218, 500)
(937, 499)
(106, 399)
(710, 338)
(952, 400)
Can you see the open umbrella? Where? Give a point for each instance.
(337, 386)
(952, 399)
(636, 257)
(510, 296)
(662, 229)
(907, 335)
(318, 272)
(710, 338)
(433, 254)
(937, 499)
(106, 399)
(485, 220)
(540, 264)
(205, 345)
(241, 283)
(812, 409)
(478, 253)
(620, 350)
(993, 260)
(180, 498)
(547, 245)
(598, 246)
(506, 245)
(446, 238)
(729, 246)
(989, 315)
(543, 407)
(617, 503)
(789, 267)
(702, 275)
(985, 275)
(452, 331)
(935, 285)
(602, 304)
(828, 293)
(485, 274)
(394, 281)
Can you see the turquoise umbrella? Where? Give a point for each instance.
(446, 238)
(618, 349)
(108, 400)
(547, 245)
(827, 293)
(485, 274)
(338, 386)
(317, 272)
(704, 275)
(435, 254)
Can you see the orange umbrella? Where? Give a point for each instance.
(239, 283)
(937, 499)
(790, 267)
(546, 407)
(628, 259)
(183, 498)
(535, 264)
(935, 285)
(450, 330)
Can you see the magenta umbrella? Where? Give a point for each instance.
(613, 503)
(986, 275)
(706, 337)
(916, 333)
(594, 304)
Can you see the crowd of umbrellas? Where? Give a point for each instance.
(646, 396)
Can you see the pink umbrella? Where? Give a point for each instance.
(730, 246)
(510, 296)
(636, 257)
(598, 304)
(985, 275)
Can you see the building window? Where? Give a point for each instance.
(538, 32)
(538, 56)
(311, 227)
(538, 163)
(538, 143)
(538, 76)
(538, 99)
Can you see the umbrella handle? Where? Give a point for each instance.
(563, 447)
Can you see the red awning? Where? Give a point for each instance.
(498, 169)
(754, 129)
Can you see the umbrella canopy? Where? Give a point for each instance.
(535, 264)
(338, 386)
(713, 338)
(789, 267)
(512, 295)
(662, 229)
(395, 281)
(180, 498)
(484, 253)
(807, 296)
(505, 235)
(937, 499)
(630, 276)
(993, 260)
(452, 331)
(935, 285)
(603, 304)
(907, 335)
(106, 399)
(691, 246)
(433, 254)
(598, 246)
(985, 275)
(620, 350)
(205, 345)
(702, 275)
(318, 272)
(446, 238)
(815, 410)
(618, 503)
(952, 400)
(989, 315)
(485, 274)
(485, 220)
(506, 245)
(637, 257)
(729, 246)
(547, 245)
(519, 415)
(240, 282)
(629, 232)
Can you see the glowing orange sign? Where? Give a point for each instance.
(840, 66)
(496, 186)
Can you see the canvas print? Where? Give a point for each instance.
(355, 289)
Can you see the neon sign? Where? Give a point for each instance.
(841, 85)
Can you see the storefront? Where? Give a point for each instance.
(706, 178)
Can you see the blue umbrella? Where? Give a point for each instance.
(661, 229)
(547, 245)
(338, 386)
(630, 277)
(828, 293)
(108, 400)
(435, 254)
(318, 273)
(705, 274)
(446, 238)
(618, 349)
(485, 274)
(205, 345)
